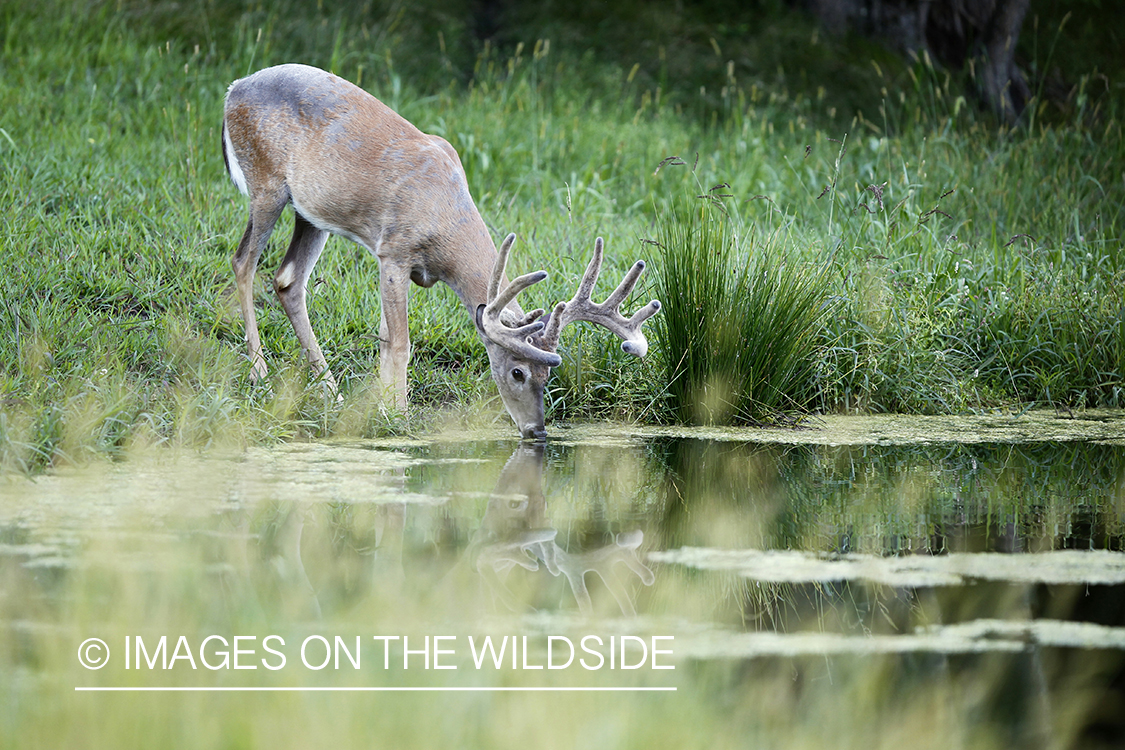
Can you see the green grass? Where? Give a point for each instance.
(988, 272)
(739, 323)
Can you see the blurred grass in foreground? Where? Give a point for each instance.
(365, 539)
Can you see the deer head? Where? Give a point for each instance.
(523, 349)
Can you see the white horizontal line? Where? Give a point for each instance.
(370, 689)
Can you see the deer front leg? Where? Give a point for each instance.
(291, 283)
(394, 331)
(263, 217)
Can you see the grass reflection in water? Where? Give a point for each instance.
(949, 592)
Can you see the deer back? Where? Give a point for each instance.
(351, 165)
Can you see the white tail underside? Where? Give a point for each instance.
(233, 167)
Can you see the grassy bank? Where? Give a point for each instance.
(966, 266)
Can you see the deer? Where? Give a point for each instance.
(351, 166)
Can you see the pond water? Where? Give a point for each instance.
(863, 580)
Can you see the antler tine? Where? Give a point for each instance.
(626, 286)
(555, 322)
(504, 298)
(606, 314)
(513, 338)
(516, 287)
(593, 270)
(531, 317)
(638, 345)
(499, 266)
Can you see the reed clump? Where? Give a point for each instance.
(741, 320)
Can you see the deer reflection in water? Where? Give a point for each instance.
(515, 531)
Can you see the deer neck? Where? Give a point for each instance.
(472, 257)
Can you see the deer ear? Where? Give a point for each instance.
(478, 319)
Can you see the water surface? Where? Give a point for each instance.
(947, 580)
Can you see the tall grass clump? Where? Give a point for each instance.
(740, 323)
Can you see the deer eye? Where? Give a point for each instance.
(518, 375)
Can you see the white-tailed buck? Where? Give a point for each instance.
(351, 166)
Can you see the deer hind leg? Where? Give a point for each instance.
(263, 218)
(394, 332)
(291, 282)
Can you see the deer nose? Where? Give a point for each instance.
(533, 432)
